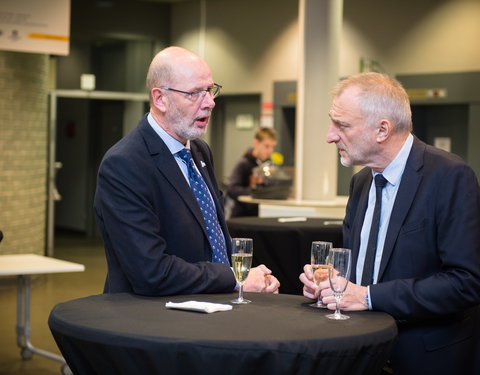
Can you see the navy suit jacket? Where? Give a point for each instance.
(154, 235)
(429, 277)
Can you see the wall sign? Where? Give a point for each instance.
(244, 121)
(37, 26)
(417, 94)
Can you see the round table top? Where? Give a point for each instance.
(272, 324)
(147, 318)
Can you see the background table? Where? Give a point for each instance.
(285, 247)
(23, 266)
(275, 334)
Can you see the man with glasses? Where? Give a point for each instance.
(157, 202)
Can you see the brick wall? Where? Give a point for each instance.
(23, 151)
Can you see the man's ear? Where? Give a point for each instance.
(158, 99)
(384, 130)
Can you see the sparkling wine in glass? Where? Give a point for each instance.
(318, 260)
(242, 253)
(339, 266)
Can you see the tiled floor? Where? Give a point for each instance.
(46, 292)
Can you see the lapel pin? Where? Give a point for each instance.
(202, 163)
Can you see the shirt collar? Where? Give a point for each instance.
(394, 171)
(173, 145)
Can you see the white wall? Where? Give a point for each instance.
(250, 44)
(410, 37)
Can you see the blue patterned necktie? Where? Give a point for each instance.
(202, 194)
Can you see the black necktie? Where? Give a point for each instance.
(368, 267)
(201, 193)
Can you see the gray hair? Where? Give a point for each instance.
(381, 97)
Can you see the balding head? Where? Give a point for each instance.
(173, 66)
(180, 86)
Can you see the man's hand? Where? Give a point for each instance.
(353, 299)
(261, 280)
(310, 289)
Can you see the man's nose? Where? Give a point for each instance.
(208, 101)
(332, 134)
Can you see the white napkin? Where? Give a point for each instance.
(207, 307)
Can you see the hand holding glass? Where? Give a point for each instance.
(339, 266)
(242, 253)
(318, 260)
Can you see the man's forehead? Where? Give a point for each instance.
(196, 76)
(335, 110)
(345, 103)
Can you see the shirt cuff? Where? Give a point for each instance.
(367, 298)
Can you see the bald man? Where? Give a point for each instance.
(161, 237)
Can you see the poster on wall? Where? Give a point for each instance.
(35, 26)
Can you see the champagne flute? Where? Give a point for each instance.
(242, 253)
(318, 260)
(339, 266)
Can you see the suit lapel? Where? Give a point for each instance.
(168, 167)
(409, 184)
(203, 162)
(201, 165)
(358, 222)
(198, 158)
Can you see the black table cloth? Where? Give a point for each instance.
(275, 334)
(285, 247)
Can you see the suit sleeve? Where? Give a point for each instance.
(442, 275)
(347, 225)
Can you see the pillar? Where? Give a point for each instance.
(316, 161)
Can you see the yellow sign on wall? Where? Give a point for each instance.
(36, 26)
(418, 94)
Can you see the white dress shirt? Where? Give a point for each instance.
(393, 173)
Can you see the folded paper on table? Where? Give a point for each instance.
(206, 307)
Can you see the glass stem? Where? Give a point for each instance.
(337, 304)
(240, 293)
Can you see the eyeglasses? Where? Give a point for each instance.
(214, 91)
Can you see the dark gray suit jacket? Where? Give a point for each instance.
(155, 239)
(429, 278)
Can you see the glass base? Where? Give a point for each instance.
(337, 316)
(318, 305)
(240, 301)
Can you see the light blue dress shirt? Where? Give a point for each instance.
(393, 173)
(173, 145)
